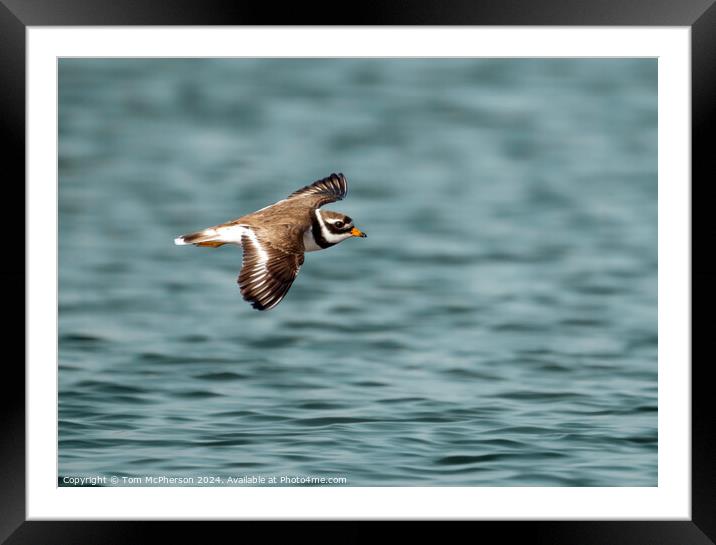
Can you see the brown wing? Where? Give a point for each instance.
(267, 272)
(331, 189)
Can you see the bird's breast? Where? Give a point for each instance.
(309, 243)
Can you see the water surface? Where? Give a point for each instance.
(498, 327)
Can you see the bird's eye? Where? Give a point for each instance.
(338, 224)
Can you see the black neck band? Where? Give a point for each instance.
(318, 232)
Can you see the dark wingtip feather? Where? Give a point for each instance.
(334, 186)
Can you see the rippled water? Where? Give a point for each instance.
(498, 327)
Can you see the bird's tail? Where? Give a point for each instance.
(205, 237)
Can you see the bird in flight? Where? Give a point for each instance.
(275, 238)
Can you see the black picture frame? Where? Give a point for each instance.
(17, 15)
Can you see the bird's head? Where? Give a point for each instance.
(337, 227)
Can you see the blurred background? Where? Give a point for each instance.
(498, 327)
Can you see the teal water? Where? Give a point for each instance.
(498, 327)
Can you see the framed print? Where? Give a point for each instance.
(493, 324)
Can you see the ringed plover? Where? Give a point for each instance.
(275, 238)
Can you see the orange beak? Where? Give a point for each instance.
(358, 233)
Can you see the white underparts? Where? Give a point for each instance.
(309, 243)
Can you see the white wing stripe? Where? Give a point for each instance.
(260, 252)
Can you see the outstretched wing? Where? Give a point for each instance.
(267, 272)
(331, 189)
